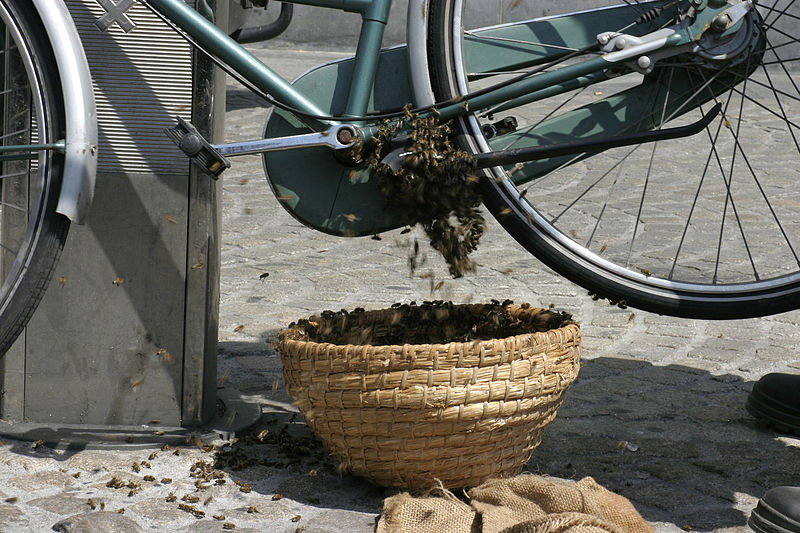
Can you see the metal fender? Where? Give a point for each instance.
(80, 165)
(417, 37)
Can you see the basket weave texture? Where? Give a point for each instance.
(458, 412)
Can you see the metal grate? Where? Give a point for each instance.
(142, 80)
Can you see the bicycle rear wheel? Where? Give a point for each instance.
(32, 234)
(704, 226)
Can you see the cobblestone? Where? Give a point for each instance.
(672, 390)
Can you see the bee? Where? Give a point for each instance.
(166, 480)
(121, 510)
(171, 498)
(91, 504)
(102, 506)
(240, 327)
(296, 518)
(602, 249)
(245, 487)
(376, 237)
(38, 444)
(164, 447)
(190, 499)
(76, 475)
(263, 276)
(645, 272)
(251, 509)
(148, 477)
(171, 219)
(62, 280)
(351, 217)
(263, 433)
(177, 451)
(312, 472)
(228, 525)
(136, 383)
(136, 467)
(275, 384)
(146, 464)
(248, 211)
(12, 499)
(208, 500)
(152, 455)
(219, 517)
(165, 356)
(118, 281)
(276, 497)
(243, 181)
(197, 266)
(224, 377)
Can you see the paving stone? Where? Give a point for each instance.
(9, 514)
(99, 522)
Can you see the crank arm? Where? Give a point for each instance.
(337, 137)
(508, 157)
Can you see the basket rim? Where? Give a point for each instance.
(520, 338)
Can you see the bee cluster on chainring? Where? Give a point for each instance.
(435, 186)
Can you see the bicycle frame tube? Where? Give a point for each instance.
(374, 12)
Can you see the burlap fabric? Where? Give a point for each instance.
(524, 504)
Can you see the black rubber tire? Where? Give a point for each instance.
(604, 283)
(46, 230)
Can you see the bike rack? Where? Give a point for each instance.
(122, 349)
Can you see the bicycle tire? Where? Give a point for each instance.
(32, 234)
(547, 237)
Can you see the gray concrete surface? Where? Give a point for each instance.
(657, 413)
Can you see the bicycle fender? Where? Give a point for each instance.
(417, 39)
(80, 159)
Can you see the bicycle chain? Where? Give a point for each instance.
(436, 186)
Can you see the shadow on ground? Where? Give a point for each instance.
(675, 440)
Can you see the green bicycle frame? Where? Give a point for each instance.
(375, 15)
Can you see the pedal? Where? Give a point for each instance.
(191, 143)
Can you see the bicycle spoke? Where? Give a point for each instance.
(519, 41)
(779, 14)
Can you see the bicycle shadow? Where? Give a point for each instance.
(675, 440)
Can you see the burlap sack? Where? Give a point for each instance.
(524, 504)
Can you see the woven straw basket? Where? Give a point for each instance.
(407, 415)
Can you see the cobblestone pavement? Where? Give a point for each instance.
(657, 413)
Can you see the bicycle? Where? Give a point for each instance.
(718, 243)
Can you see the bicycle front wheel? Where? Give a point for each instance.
(704, 226)
(31, 232)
